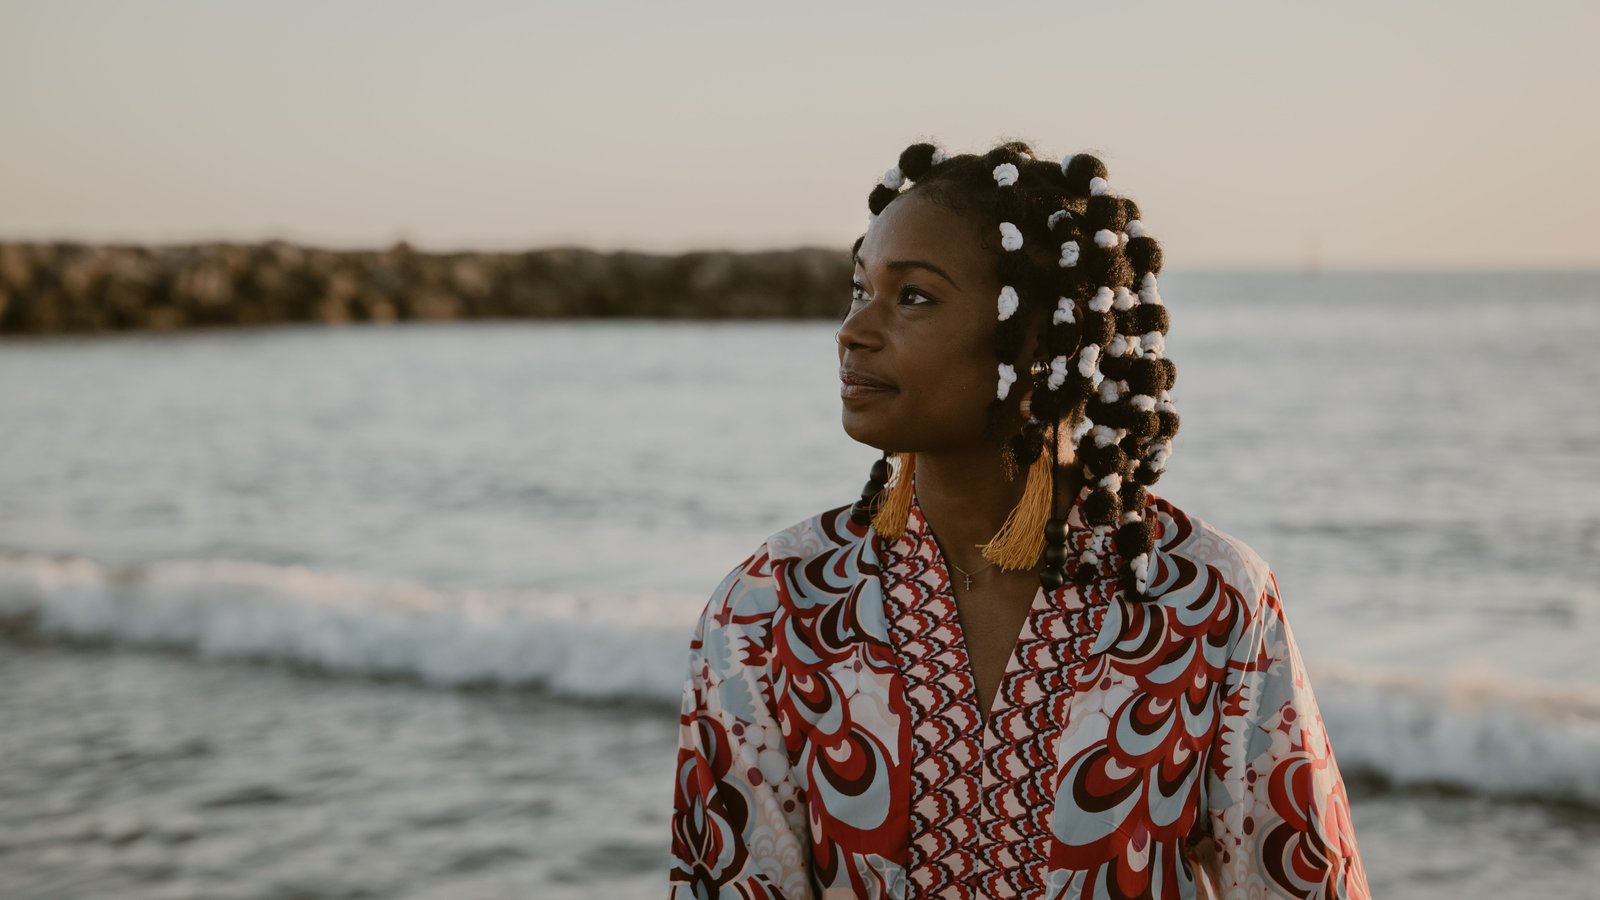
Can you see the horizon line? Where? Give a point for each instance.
(500, 248)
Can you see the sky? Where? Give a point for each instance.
(1254, 135)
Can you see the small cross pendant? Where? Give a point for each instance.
(968, 580)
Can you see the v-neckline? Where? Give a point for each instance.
(963, 643)
(1041, 601)
(978, 771)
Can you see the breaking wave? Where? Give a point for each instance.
(1483, 734)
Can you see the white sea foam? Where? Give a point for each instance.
(605, 647)
(1484, 731)
(1479, 732)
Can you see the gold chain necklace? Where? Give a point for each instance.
(967, 576)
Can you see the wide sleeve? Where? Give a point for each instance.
(1279, 814)
(738, 818)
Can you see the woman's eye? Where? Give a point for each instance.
(908, 295)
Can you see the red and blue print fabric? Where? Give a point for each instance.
(831, 744)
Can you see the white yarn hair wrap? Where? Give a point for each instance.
(1148, 292)
(1084, 426)
(1055, 217)
(1010, 236)
(1155, 343)
(938, 156)
(1089, 361)
(1058, 373)
(1112, 482)
(1141, 571)
(1135, 229)
(1143, 402)
(1102, 300)
(893, 178)
(1007, 376)
(1063, 313)
(1105, 238)
(1110, 390)
(1008, 303)
(1005, 174)
(1159, 451)
(1105, 437)
(1069, 254)
(1124, 299)
(1097, 186)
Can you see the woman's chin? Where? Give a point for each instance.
(866, 429)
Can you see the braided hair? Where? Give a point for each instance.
(1070, 247)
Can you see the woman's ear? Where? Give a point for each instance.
(1030, 350)
(1034, 349)
(1033, 345)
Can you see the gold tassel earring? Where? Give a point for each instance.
(892, 513)
(1020, 540)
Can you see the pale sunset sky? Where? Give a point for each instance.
(1356, 135)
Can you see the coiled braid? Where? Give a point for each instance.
(1107, 385)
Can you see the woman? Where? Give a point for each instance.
(1009, 670)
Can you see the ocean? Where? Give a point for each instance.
(401, 611)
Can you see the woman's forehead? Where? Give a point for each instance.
(914, 228)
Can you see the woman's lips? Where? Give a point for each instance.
(854, 386)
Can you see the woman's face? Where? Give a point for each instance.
(921, 323)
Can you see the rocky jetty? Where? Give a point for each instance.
(68, 287)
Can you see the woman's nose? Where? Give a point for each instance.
(860, 329)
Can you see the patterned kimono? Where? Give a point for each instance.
(831, 746)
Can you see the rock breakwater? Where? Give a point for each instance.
(48, 288)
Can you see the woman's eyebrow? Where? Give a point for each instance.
(916, 264)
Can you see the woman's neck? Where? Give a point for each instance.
(965, 498)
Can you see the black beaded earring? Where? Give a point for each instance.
(861, 512)
(1054, 574)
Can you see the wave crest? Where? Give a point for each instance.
(605, 647)
(1477, 732)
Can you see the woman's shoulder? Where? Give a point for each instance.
(1197, 545)
(748, 595)
(815, 534)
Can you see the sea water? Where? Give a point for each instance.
(402, 611)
